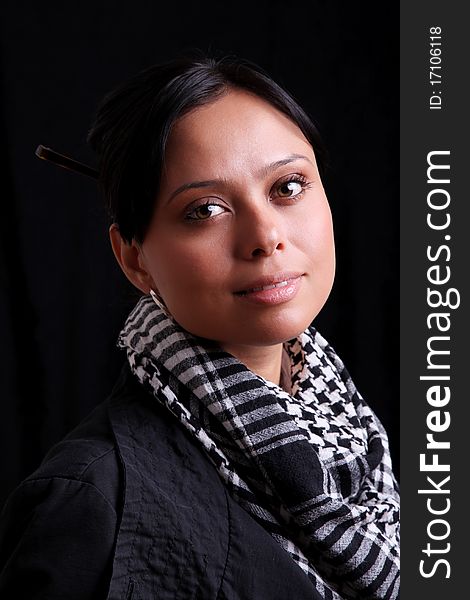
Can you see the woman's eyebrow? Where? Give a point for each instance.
(263, 172)
(266, 170)
(190, 186)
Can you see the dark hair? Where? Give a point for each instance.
(133, 122)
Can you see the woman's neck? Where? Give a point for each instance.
(262, 360)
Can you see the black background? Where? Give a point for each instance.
(63, 299)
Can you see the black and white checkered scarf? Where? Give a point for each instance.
(312, 466)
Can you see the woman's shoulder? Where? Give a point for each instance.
(91, 452)
(87, 455)
(129, 430)
(58, 527)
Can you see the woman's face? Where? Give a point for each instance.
(240, 206)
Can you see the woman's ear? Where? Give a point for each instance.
(129, 257)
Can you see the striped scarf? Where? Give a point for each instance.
(311, 466)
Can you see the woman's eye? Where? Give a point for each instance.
(289, 189)
(204, 212)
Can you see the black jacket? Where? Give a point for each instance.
(128, 506)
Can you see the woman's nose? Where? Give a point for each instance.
(260, 232)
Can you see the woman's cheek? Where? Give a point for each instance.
(187, 270)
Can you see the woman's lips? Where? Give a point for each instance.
(273, 293)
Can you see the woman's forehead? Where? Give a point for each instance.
(234, 131)
(238, 111)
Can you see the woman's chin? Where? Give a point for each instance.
(268, 332)
(258, 328)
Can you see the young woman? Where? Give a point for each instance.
(234, 458)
